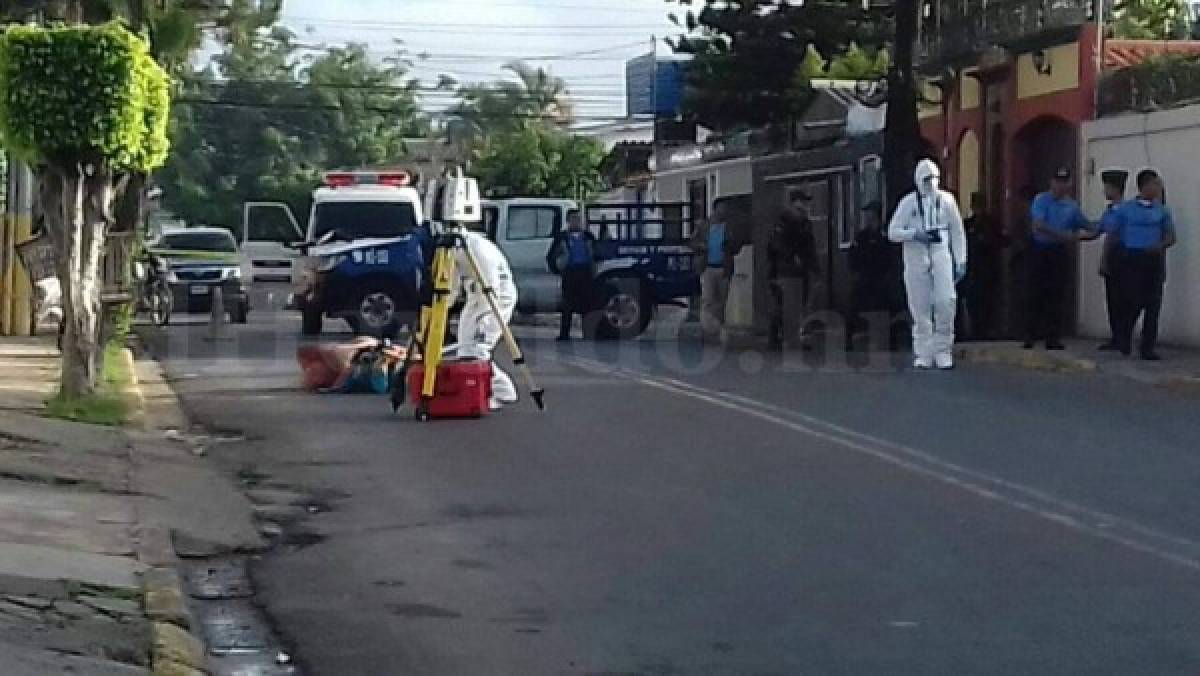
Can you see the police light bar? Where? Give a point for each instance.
(345, 179)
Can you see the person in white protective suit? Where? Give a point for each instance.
(928, 224)
(478, 329)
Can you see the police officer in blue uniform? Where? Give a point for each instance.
(573, 257)
(1144, 230)
(1057, 223)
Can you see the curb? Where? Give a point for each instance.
(176, 650)
(1029, 359)
(132, 392)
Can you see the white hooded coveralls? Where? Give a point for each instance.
(929, 269)
(478, 330)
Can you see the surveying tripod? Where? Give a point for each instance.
(430, 338)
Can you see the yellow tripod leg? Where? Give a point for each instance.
(434, 321)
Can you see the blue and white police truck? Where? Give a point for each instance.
(643, 257)
(363, 253)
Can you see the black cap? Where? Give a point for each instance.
(1062, 174)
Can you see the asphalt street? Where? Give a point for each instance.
(678, 510)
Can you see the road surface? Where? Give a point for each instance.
(681, 511)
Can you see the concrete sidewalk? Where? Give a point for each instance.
(88, 517)
(1179, 370)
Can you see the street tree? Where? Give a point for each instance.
(86, 106)
(266, 118)
(746, 54)
(507, 105)
(1151, 19)
(538, 160)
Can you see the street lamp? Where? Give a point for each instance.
(1041, 63)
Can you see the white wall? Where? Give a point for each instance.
(1168, 142)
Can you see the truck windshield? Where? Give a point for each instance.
(355, 220)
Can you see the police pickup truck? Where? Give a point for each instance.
(643, 257)
(363, 254)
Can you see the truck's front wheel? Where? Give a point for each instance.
(623, 311)
(379, 311)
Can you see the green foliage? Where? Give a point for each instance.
(853, 64)
(748, 55)
(506, 106)
(266, 122)
(859, 64)
(575, 166)
(71, 94)
(813, 65)
(1159, 82)
(1151, 19)
(535, 160)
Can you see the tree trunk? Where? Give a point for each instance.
(79, 306)
(78, 229)
(98, 218)
(902, 129)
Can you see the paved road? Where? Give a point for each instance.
(677, 511)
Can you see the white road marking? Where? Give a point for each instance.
(1118, 530)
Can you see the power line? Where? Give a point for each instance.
(372, 109)
(426, 56)
(569, 92)
(605, 7)
(374, 23)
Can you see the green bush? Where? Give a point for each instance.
(1158, 82)
(72, 94)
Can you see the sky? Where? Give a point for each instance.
(586, 42)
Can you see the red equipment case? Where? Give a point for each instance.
(462, 391)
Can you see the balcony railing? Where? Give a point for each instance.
(967, 27)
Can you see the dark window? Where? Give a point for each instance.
(491, 216)
(870, 181)
(354, 220)
(198, 241)
(270, 224)
(532, 222)
(698, 198)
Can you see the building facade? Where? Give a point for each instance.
(1008, 86)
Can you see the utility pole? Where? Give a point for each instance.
(902, 130)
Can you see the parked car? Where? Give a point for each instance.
(201, 259)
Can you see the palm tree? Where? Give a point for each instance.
(535, 97)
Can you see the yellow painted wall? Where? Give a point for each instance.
(969, 94)
(22, 291)
(968, 171)
(1064, 72)
(928, 93)
(6, 273)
